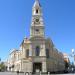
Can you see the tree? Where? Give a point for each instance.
(2, 66)
(0, 60)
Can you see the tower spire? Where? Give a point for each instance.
(37, 3)
(37, 24)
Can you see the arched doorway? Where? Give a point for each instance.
(37, 66)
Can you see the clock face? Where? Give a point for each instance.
(37, 21)
(37, 30)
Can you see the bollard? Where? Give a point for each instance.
(48, 73)
(40, 72)
(26, 73)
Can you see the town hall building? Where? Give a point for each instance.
(36, 53)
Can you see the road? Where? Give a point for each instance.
(10, 73)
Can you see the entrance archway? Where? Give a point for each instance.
(37, 67)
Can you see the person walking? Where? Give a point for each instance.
(17, 72)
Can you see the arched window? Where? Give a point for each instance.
(27, 53)
(37, 50)
(37, 11)
(47, 53)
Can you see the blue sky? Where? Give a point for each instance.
(15, 20)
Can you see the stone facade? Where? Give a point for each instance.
(36, 53)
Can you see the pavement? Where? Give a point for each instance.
(10, 73)
(13, 73)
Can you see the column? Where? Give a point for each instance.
(44, 67)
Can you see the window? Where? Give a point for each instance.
(37, 50)
(47, 53)
(27, 53)
(36, 10)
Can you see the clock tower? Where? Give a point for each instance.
(37, 24)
